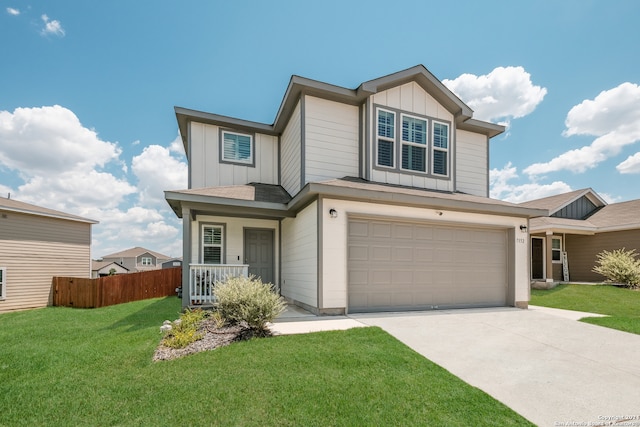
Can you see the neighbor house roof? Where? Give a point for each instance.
(612, 217)
(299, 85)
(12, 205)
(97, 265)
(134, 252)
(244, 199)
(559, 201)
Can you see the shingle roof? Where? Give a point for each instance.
(557, 202)
(623, 214)
(252, 192)
(12, 205)
(134, 252)
(97, 265)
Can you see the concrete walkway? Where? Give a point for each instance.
(551, 369)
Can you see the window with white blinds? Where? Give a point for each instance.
(237, 147)
(212, 244)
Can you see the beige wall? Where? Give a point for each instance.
(472, 163)
(34, 249)
(207, 171)
(300, 256)
(331, 140)
(334, 232)
(411, 98)
(291, 154)
(582, 251)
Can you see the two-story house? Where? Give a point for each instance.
(134, 260)
(366, 199)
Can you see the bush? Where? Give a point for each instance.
(248, 300)
(184, 331)
(619, 266)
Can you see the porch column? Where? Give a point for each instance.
(186, 256)
(549, 257)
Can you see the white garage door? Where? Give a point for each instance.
(396, 265)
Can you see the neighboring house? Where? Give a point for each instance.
(581, 224)
(137, 259)
(366, 199)
(175, 262)
(37, 244)
(106, 268)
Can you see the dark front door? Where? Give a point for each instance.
(258, 253)
(537, 259)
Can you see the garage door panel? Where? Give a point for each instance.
(396, 265)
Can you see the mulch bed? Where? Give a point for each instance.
(213, 338)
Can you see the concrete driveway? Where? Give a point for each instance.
(552, 370)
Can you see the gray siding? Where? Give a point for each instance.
(583, 250)
(331, 140)
(472, 163)
(291, 153)
(34, 249)
(579, 209)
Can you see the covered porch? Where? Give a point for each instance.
(228, 231)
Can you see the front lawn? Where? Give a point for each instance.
(63, 366)
(622, 305)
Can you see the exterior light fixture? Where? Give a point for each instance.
(333, 213)
(523, 228)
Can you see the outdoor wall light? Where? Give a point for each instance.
(333, 213)
(523, 228)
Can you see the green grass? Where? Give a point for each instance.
(622, 305)
(62, 366)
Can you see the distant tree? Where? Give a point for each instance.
(112, 271)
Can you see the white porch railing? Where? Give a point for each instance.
(203, 277)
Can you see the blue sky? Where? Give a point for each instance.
(87, 90)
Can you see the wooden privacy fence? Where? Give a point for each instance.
(110, 290)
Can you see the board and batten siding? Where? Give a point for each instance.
(300, 256)
(331, 140)
(290, 151)
(207, 171)
(472, 163)
(34, 249)
(411, 98)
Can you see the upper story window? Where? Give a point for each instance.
(424, 143)
(440, 148)
(212, 240)
(147, 260)
(3, 283)
(386, 138)
(237, 148)
(414, 144)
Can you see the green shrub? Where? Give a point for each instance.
(248, 300)
(184, 331)
(619, 266)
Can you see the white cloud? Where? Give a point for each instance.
(613, 117)
(12, 11)
(503, 94)
(158, 170)
(62, 165)
(50, 140)
(53, 27)
(631, 165)
(502, 189)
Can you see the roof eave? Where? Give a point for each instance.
(49, 215)
(225, 206)
(312, 190)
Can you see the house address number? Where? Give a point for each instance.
(519, 240)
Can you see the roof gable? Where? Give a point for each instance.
(560, 201)
(301, 85)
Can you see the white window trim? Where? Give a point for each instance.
(221, 245)
(144, 258)
(385, 138)
(558, 261)
(445, 150)
(425, 145)
(250, 160)
(3, 284)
